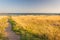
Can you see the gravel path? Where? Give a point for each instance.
(10, 34)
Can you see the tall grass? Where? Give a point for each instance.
(3, 25)
(36, 27)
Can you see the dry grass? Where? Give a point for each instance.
(48, 25)
(3, 25)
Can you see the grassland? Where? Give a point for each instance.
(3, 26)
(33, 27)
(41, 27)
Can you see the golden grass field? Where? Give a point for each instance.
(34, 27)
(40, 25)
(3, 26)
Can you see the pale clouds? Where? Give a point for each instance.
(47, 7)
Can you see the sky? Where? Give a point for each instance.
(29, 6)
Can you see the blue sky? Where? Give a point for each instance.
(29, 6)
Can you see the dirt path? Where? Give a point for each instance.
(10, 34)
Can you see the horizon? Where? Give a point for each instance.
(15, 14)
